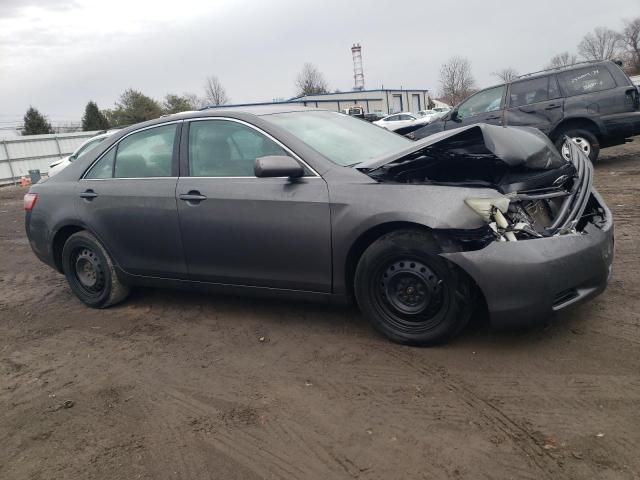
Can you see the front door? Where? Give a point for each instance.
(485, 106)
(127, 199)
(535, 102)
(241, 230)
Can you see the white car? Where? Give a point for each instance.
(424, 116)
(58, 165)
(396, 121)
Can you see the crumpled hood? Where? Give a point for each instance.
(516, 146)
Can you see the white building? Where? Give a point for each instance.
(386, 101)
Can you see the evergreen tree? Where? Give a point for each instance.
(133, 107)
(176, 104)
(93, 118)
(35, 123)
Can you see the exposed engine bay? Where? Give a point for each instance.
(542, 193)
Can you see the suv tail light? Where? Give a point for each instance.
(30, 201)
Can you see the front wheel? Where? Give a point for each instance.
(409, 293)
(584, 139)
(90, 272)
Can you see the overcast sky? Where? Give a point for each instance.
(58, 54)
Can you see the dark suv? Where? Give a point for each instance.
(594, 103)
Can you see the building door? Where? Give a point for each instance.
(415, 102)
(396, 103)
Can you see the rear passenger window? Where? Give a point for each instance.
(586, 80)
(148, 153)
(529, 91)
(554, 89)
(220, 148)
(104, 167)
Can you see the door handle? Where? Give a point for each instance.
(193, 196)
(88, 195)
(495, 117)
(552, 106)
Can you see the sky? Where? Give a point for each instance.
(58, 54)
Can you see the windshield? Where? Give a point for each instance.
(344, 140)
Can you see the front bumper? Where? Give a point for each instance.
(524, 282)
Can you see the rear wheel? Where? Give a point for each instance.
(409, 293)
(585, 139)
(90, 272)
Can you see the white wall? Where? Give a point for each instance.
(21, 154)
(371, 101)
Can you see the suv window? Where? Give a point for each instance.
(586, 80)
(529, 91)
(554, 89)
(148, 153)
(484, 101)
(220, 148)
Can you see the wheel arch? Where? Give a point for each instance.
(577, 122)
(366, 238)
(60, 238)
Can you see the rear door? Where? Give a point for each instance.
(535, 102)
(127, 199)
(243, 230)
(485, 106)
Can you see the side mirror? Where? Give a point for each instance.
(277, 166)
(453, 116)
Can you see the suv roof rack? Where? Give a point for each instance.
(563, 67)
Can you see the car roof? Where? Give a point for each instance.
(256, 109)
(399, 113)
(562, 69)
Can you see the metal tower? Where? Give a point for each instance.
(358, 72)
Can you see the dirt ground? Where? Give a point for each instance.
(173, 385)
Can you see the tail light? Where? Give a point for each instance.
(30, 201)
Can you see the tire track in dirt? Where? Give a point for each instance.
(491, 416)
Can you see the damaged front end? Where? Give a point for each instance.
(539, 193)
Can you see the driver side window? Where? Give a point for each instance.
(485, 101)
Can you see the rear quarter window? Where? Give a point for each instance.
(586, 80)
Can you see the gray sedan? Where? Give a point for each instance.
(309, 203)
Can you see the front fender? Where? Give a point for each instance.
(357, 210)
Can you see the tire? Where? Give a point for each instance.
(90, 272)
(585, 138)
(409, 293)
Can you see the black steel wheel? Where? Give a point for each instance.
(90, 272)
(411, 294)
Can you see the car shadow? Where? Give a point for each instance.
(315, 318)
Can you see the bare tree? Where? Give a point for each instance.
(562, 60)
(311, 81)
(195, 101)
(630, 39)
(214, 92)
(456, 80)
(506, 74)
(601, 44)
